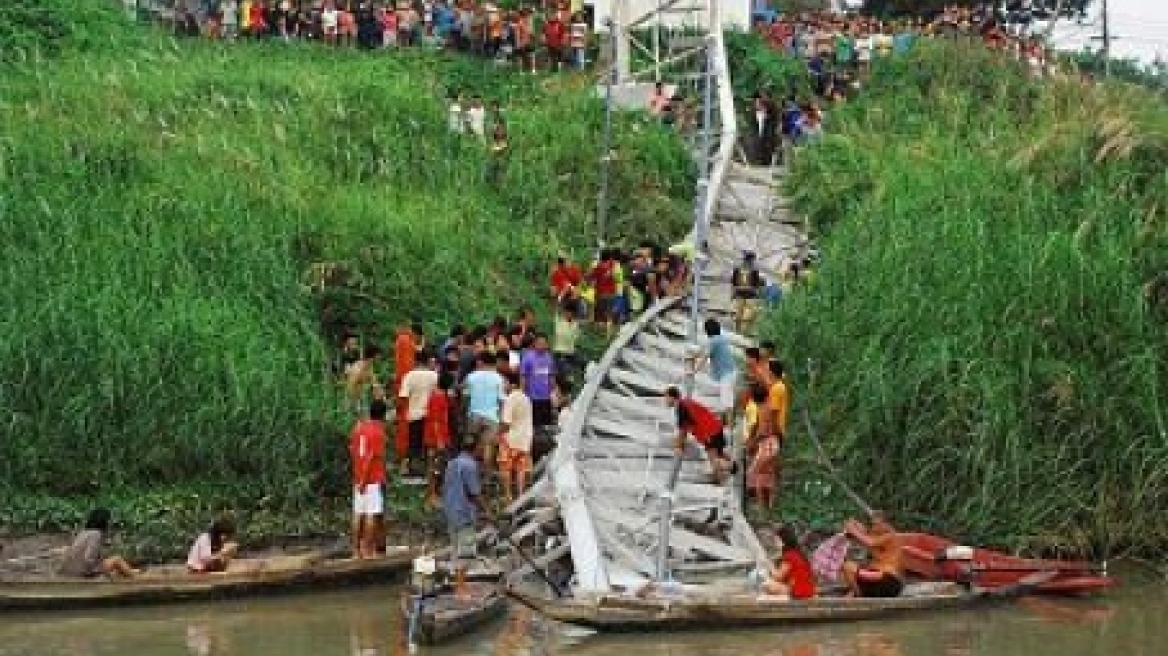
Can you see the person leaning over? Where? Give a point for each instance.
(697, 420)
(214, 549)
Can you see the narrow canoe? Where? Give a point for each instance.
(168, 584)
(925, 556)
(443, 616)
(619, 613)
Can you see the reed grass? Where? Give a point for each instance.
(988, 320)
(163, 203)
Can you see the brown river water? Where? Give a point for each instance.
(1130, 621)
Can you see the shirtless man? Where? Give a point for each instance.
(883, 575)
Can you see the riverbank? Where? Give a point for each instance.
(988, 323)
(167, 342)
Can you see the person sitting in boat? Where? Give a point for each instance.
(883, 575)
(695, 419)
(214, 549)
(84, 559)
(792, 576)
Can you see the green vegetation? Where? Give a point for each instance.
(164, 206)
(988, 326)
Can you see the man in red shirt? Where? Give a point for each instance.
(367, 451)
(564, 280)
(555, 38)
(603, 277)
(697, 420)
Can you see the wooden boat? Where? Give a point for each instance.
(698, 610)
(167, 584)
(436, 618)
(936, 558)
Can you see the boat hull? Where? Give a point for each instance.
(247, 578)
(992, 569)
(444, 617)
(627, 614)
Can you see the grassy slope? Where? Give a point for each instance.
(988, 350)
(163, 201)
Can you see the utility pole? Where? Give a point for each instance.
(1105, 38)
(1106, 41)
(606, 141)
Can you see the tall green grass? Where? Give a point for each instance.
(162, 204)
(989, 321)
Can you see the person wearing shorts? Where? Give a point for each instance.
(515, 438)
(367, 451)
(697, 420)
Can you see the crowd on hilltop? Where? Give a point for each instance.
(839, 50)
(850, 43)
(549, 35)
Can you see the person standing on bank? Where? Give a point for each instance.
(367, 451)
(415, 391)
(484, 392)
(515, 437)
(537, 369)
(462, 501)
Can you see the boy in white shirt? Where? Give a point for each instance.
(515, 439)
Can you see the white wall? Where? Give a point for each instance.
(735, 13)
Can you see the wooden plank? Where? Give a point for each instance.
(680, 538)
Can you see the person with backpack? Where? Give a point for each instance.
(746, 286)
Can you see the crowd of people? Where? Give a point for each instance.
(471, 414)
(552, 34)
(840, 50)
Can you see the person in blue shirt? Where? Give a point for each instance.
(462, 501)
(485, 394)
(723, 367)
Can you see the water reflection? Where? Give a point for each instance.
(199, 640)
(369, 624)
(368, 635)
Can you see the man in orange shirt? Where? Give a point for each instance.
(367, 451)
(404, 357)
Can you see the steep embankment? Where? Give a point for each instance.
(163, 202)
(989, 322)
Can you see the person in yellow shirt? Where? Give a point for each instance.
(245, 17)
(778, 403)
